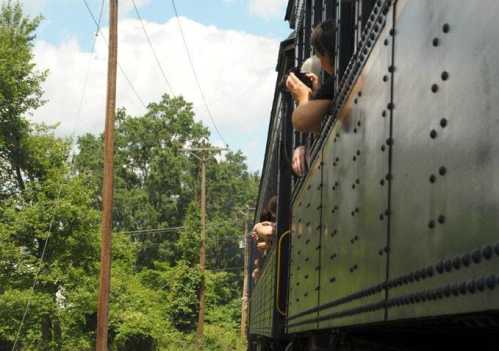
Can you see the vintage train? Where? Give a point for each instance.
(391, 241)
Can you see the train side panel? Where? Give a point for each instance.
(444, 235)
(355, 196)
(262, 300)
(354, 185)
(305, 249)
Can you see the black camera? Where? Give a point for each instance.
(300, 75)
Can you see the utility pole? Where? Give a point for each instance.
(203, 157)
(245, 300)
(202, 257)
(107, 185)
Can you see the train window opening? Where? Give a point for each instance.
(346, 36)
(299, 48)
(330, 12)
(307, 28)
(366, 8)
(311, 16)
(317, 12)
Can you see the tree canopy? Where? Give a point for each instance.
(50, 215)
(20, 94)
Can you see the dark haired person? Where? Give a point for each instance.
(264, 231)
(299, 161)
(271, 208)
(313, 104)
(256, 270)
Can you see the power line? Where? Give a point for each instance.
(152, 47)
(158, 230)
(35, 281)
(44, 250)
(195, 74)
(82, 98)
(170, 229)
(226, 269)
(119, 65)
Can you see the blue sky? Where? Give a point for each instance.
(63, 21)
(234, 44)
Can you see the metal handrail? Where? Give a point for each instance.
(279, 272)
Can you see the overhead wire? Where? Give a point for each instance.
(157, 230)
(98, 33)
(35, 280)
(149, 41)
(119, 65)
(193, 69)
(165, 229)
(85, 83)
(223, 237)
(235, 268)
(44, 250)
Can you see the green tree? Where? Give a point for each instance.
(53, 219)
(50, 204)
(154, 181)
(20, 94)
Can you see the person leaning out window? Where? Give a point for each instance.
(313, 103)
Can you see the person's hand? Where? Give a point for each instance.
(254, 234)
(264, 230)
(255, 274)
(316, 81)
(262, 247)
(298, 162)
(301, 93)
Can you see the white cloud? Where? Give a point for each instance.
(35, 7)
(32, 7)
(236, 71)
(126, 6)
(267, 8)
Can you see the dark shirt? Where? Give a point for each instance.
(326, 91)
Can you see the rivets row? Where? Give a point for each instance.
(384, 250)
(472, 286)
(446, 265)
(442, 171)
(440, 219)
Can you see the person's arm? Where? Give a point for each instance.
(262, 247)
(308, 114)
(265, 230)
(298, 164)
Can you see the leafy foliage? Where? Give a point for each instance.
(49, 222)
(20, 93)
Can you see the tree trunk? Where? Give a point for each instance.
(19, 178)
(57, 334)
(46, 333)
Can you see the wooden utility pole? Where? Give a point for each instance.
(203, 157)
(245, 300)
(246, 277)
(202, 256)
(107, 185)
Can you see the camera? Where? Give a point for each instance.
(299, 74)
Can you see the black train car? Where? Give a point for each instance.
(391, 241)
